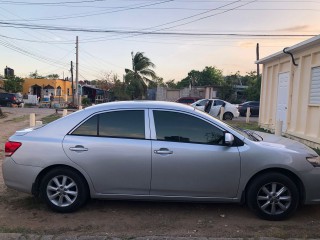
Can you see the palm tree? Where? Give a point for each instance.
(139, 76)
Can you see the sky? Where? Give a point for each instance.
(177, 35)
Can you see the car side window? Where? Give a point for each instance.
(180, 127)
(88, 128)
(120, 124)
(203, 102)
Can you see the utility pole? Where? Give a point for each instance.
(257, 55)
(72, 87)
(78, 97)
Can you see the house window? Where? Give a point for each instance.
(59, 91)
(315, 86)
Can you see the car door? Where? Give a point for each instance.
(215, 109)
(114, 149)
(189, 158)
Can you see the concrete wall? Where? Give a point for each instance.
(302, 118)
(55, 83)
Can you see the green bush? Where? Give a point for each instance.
(86, 101)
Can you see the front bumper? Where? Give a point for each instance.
(311, 183)
(19, 177)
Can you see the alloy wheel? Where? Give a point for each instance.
(62, 191)
(274, 198)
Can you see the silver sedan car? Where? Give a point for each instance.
(159, 151)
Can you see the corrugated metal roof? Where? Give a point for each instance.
(297, 47)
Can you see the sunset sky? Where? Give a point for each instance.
(177, 35)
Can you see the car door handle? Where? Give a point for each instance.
(163, 151)
(78, 148)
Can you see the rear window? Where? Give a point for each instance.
(118, 124)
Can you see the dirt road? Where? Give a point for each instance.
(21, 213)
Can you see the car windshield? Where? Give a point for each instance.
(250, 134)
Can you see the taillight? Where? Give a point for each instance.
(11, 147)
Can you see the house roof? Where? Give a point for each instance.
(297, 47)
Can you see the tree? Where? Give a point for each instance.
(171, 84)
(13, 84)
(35, 74)
(119, 91)
(227, 91)
(254, 86)
(209, 76)
(158, 81)
(141, 73)
(53, 76)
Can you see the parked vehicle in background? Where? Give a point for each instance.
(213, 106)
(187, 100)
(8, 99)
(253, 105)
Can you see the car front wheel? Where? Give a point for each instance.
(273, 196)
(64, 190)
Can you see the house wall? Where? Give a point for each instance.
(303, 118)
(55, 83)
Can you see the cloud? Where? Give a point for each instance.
(295, 28)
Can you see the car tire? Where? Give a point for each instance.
(227, 116)
(64, 190)
(273, 196)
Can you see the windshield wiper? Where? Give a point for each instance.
(253, 134)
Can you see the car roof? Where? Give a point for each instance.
(140, 104)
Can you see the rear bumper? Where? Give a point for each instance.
(19, 177)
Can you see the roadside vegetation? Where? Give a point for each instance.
(50, 118)
(243, 125)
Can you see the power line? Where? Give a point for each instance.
(30, 54)
(52, 3)
(91, 30)
(94, 13)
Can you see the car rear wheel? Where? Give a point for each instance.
(273, 196)
(64, 190)
(228, 116)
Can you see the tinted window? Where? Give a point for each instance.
(202, 103)
(125, 124)
(256, 104)
(179, 127)
(186, 100)
(88, 128)
(218, 102)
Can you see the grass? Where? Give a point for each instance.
(21, 230)
(243, 125)
(50, 118)
(317, 150)
(18, 119)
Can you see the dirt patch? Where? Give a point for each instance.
(22, 213)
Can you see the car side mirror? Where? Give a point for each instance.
(228, 139)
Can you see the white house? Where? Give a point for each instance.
(290, 91)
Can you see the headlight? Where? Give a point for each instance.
(315, 161)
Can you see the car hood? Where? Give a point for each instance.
(273, 141)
